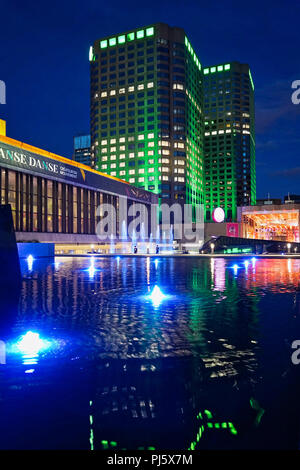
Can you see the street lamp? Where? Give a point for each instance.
(289, 247)
(212, 247)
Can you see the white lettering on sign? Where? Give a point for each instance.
(36, 162)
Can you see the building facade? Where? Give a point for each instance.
(146, 112)
(53, 199)
(82, 149)
(272, 222)
(229, 138)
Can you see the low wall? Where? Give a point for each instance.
(37, 250)
(55, 237)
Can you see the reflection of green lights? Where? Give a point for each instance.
(210, 425)
(260, 411)
(208, 414)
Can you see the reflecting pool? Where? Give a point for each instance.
(165, 353)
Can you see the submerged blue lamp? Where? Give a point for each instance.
(157, 296)
(31, 344)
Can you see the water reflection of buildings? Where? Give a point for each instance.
(140, 374)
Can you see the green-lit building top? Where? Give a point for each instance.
(229, 138)
(147, 111)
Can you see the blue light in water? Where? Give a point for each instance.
(157, 296)
(29, 371)
(156, 262)
(30, 260)
(92, 270)
(31, 344)
(235, 268)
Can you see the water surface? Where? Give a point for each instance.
(208, 366)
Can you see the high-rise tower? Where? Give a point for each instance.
(229, 138)
(146, 111)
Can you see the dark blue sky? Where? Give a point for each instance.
(44, 62)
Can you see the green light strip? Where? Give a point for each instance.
(192, 52)
(217, 68)
(250, 76)
(140, 34)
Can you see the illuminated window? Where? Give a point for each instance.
(121, 39)
(103, 44)
(130, 36)
(112, 41)
(149, 32)
(140, 34)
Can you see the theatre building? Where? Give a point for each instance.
(54, 199)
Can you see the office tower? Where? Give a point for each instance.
(229, 138)
(82, 149)
(146, 111)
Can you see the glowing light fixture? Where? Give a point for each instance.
(157, 296)
(30, 260)
(31, 344)
(235, 268)
(92, 268)
(218, 215)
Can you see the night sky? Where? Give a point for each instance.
(44, 63)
